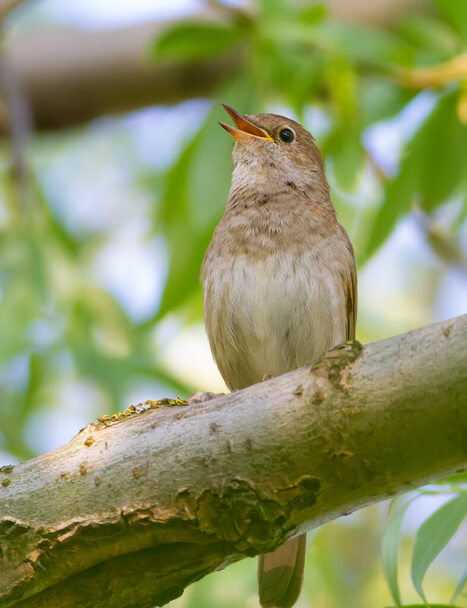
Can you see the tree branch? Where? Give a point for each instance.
(139, 505)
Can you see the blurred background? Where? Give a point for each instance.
(114, 172)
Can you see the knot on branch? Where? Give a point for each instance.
(240, 514)
(333, 364)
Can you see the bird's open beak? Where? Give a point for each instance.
(244, 128)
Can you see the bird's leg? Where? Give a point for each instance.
(268, 377)
(202, 396)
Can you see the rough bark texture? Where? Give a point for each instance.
(72, 76)
(139, 505)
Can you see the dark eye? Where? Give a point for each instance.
(287, 135)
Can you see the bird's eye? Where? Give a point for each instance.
(287, 135)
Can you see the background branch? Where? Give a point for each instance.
(128, 514)
(7, 6)
(73, 76)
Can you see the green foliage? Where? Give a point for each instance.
(434, 534)
(455, 13)
(431, 538)
(432, 171)
(390, 546)
(196, 41)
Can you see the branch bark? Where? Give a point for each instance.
(140, 504)
(73, 76)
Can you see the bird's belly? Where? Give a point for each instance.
(271, 315)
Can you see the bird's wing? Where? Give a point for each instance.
(351, 303)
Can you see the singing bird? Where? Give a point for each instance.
(279, 282)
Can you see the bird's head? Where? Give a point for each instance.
(273, 147)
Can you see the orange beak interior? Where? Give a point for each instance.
(244, 129)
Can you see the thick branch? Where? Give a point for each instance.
(136, 507)
(71, 76)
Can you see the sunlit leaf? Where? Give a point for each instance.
(390, 546)
(311, 14)
(195, 40)
(433, 535)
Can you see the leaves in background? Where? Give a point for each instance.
(431, 35)
(433, 168)
(460, 586)
(344, 143)
(380, 98)
(442, 152)
(390, 545)
(196, 40)
(196, 193)
(433, 535)
(364, 44)
(455, 13)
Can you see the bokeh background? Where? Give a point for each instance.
(113, 173)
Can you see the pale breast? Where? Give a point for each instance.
(272, 314)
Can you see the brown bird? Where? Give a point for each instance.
(279, 282)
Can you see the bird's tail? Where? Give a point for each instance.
(280, 574)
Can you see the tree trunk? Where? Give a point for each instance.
(140, 504)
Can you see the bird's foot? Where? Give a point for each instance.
(202, 396)
(268, 377)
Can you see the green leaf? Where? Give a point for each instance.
(390, 546)
(371, 46)
(312, 14)
(398, 201)
(195, 41)
(431, 34)
(455, 13)
(440, 147)
(381, 98)
(459, 587)
(273, 8)
(433, 535)
(347, 155)
(433, 167)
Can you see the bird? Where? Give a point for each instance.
(279, 282)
